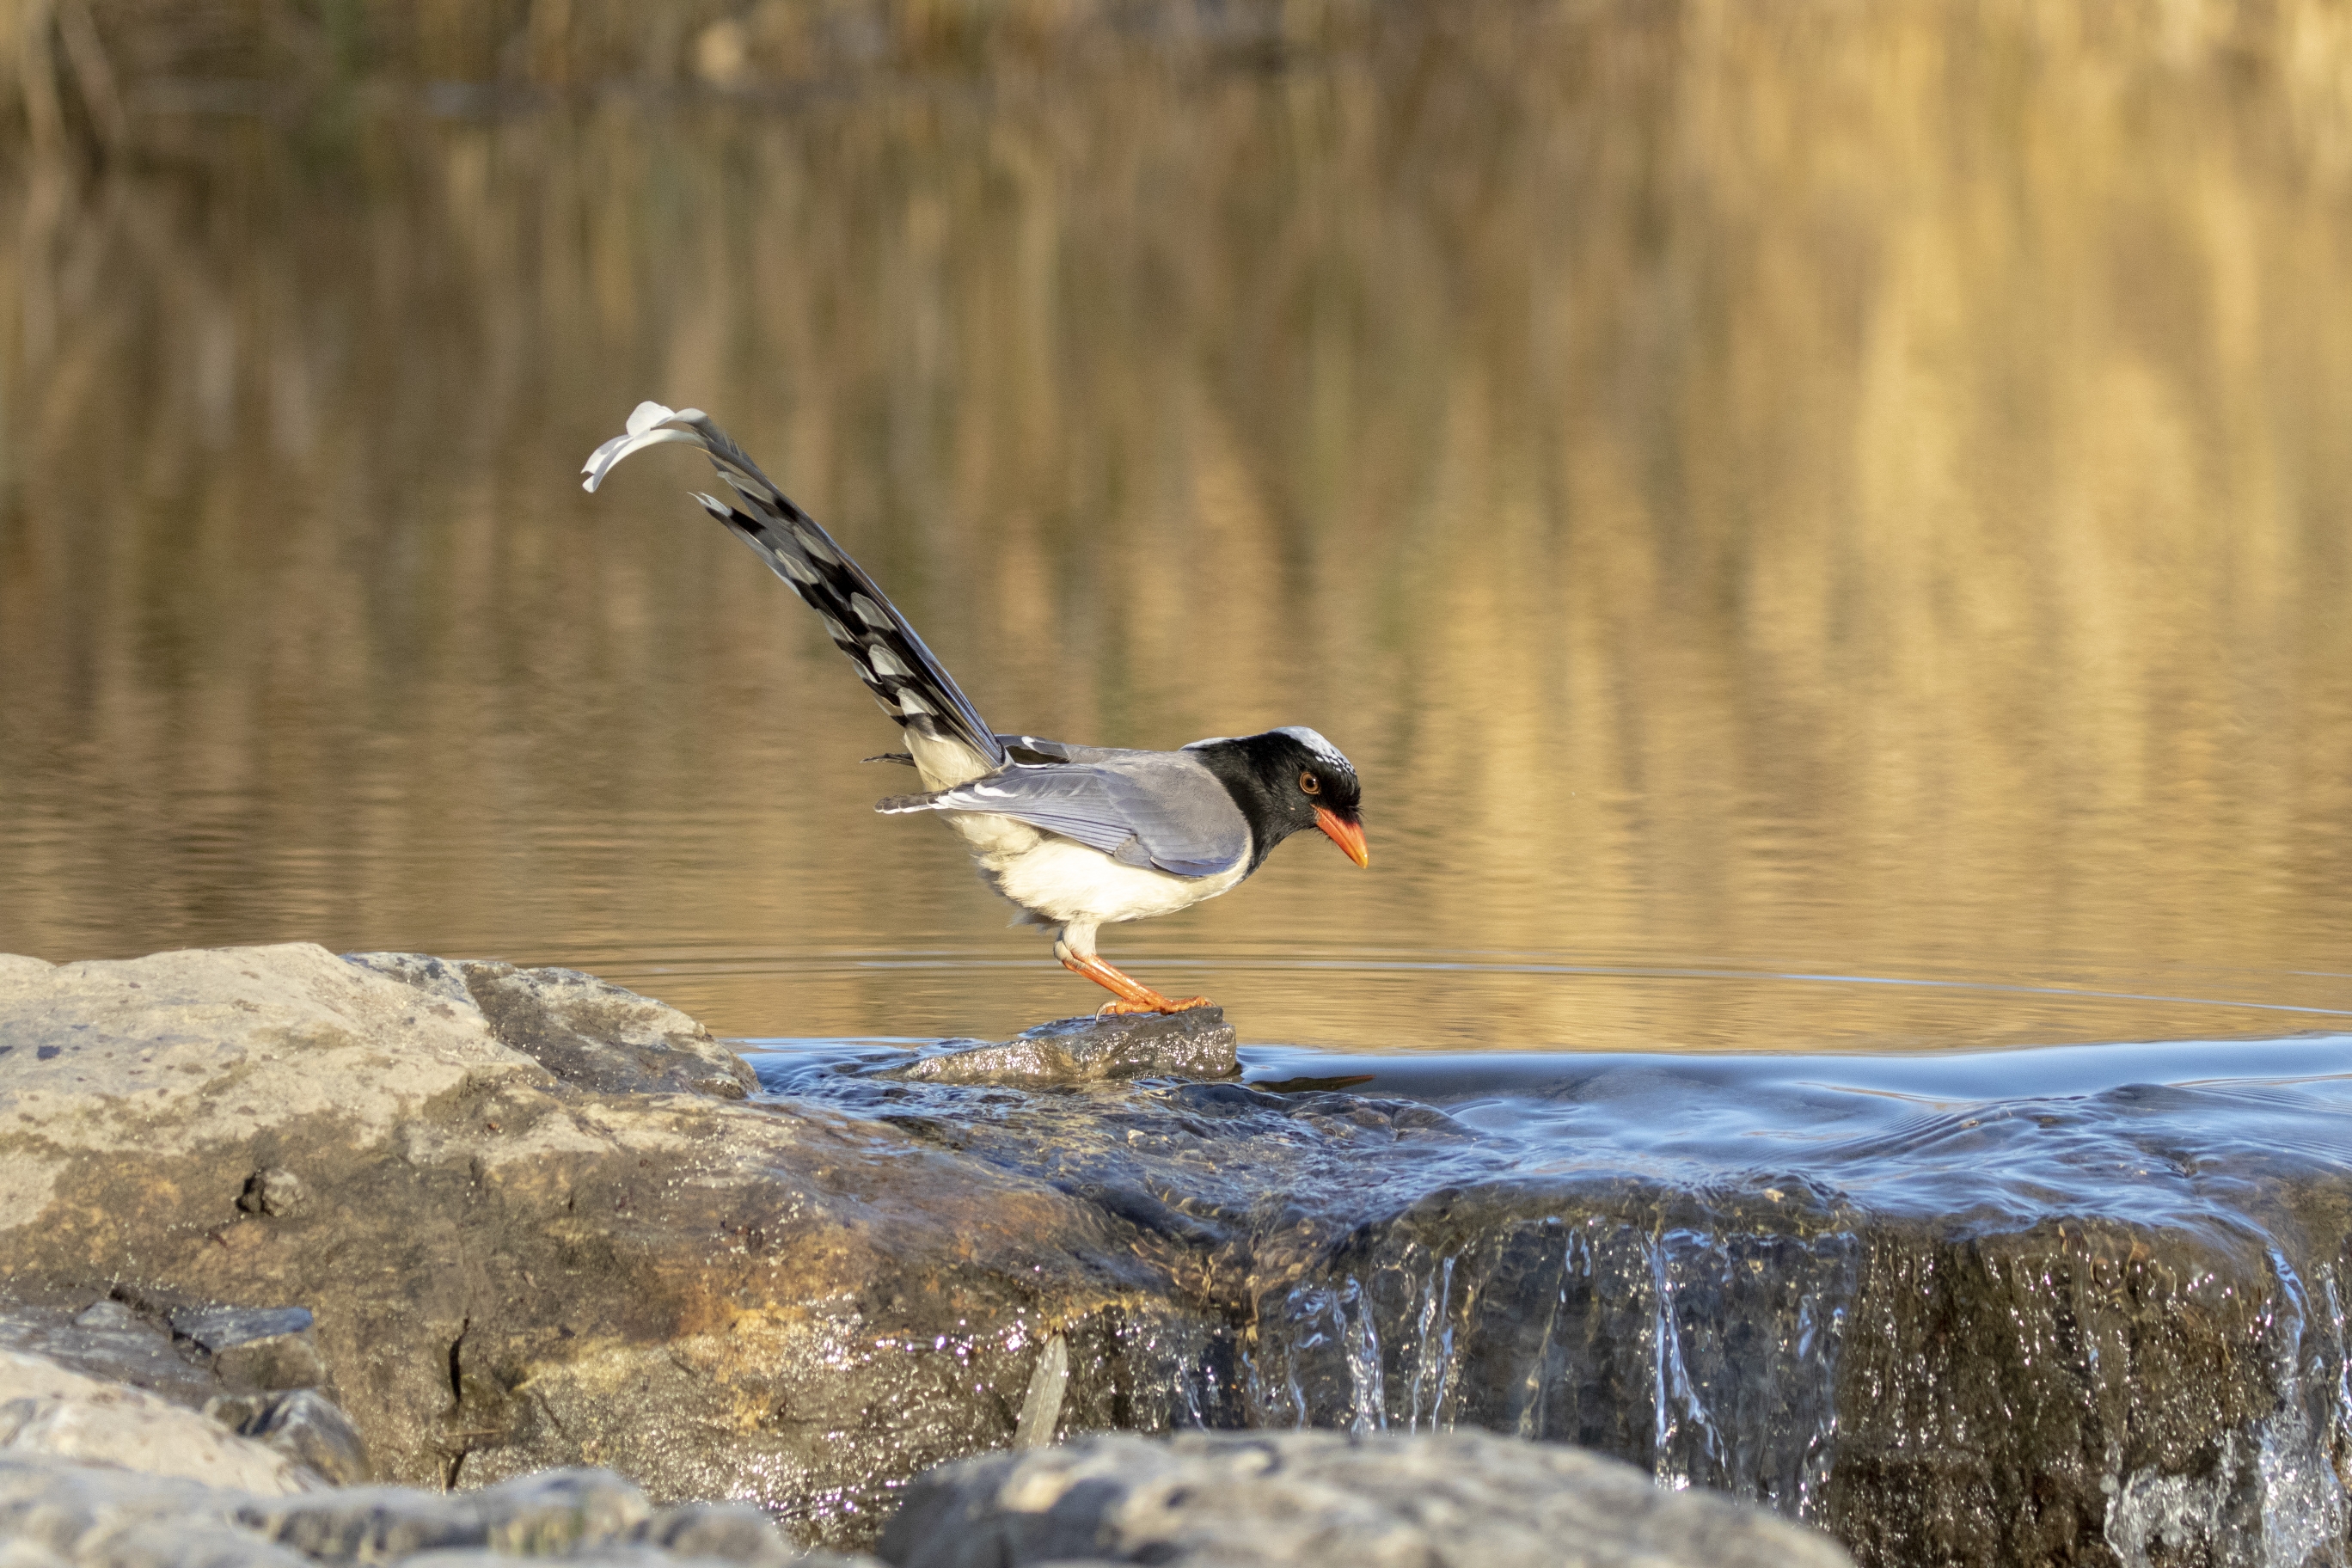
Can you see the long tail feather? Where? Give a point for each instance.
(902, 673)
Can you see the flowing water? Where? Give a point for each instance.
(2069, 1304)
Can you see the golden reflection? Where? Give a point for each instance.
(1759, 491)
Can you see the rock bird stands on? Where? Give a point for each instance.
(1079, 837)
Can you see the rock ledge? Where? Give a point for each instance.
(1196, 1044)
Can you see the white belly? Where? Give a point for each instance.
(1063, 882)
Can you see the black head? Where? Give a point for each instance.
(1286, 780)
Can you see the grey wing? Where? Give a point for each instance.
(1162, 810)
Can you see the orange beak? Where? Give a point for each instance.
(1347, 836)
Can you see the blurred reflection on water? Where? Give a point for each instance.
(1764, 491)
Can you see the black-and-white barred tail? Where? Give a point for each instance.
(900, 672)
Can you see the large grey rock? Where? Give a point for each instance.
(48, 1409)
(74, 1510)
(1299, 1500)
(513, 1265)
(1194, 1043)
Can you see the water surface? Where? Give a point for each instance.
(1820, 529)
(2154, 1134)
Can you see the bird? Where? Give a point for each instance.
(1076, 837)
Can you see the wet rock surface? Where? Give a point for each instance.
(104, 1517)
(108, 1339)
(1292, 1499)
(1196, 1043)
(2004, 1309)
(1976, 1311)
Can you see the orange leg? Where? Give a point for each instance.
(1134, 996)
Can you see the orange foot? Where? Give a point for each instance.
(1133, 995)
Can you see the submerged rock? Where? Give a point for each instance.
(1302, 1500)
(1194, 1043)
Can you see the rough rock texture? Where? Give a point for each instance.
(46, 1409)
(2099, 1326)
(256, 1373)
(583, 1030)
(92, 1516)
(524, 1251)
(110, 1340)
(1194, 1043)
(1291, 1500)
(304, 1425)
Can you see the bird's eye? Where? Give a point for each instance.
(1310, 784)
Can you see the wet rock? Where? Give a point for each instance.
(48, 1409)
(579, 1028)
(109, 1341)
(510, 1270)
(1194, 1043)
(255, 1347)
(1292, 1500)
(2103, 1327)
